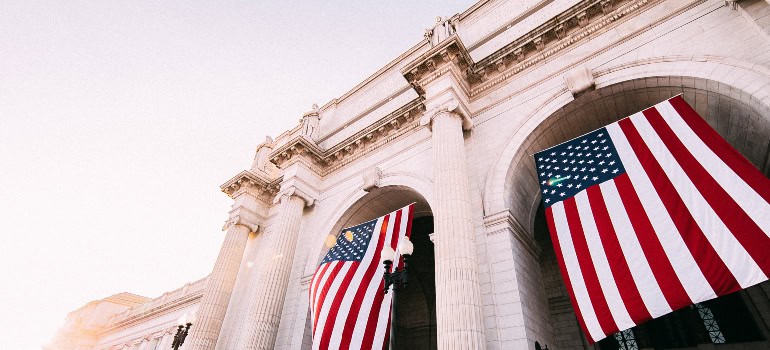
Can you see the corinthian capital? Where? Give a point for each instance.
(451, 106)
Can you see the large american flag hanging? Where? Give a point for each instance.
(347, 304)
(653, 213)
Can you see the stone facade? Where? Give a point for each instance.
(451, 124)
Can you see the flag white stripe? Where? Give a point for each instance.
(687, 270)
(371, 290)
(355, 283)
(601, 264)
(382, 320)
(327, 303)
(737, 259)
(574, 272)
(749, 200)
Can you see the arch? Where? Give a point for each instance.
(345, 212)
(741, 81)
(396, 190)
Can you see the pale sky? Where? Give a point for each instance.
(120, 119)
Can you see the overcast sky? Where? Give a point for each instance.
(120, 119)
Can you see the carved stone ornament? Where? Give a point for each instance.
(324, 161)
(250, 182)
(294, 191)
(569, 28)
(372, 178)
(579, 81)
(451, 106)
(238, 220)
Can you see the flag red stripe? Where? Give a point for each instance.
(394, 239)
(729, 155)
(319, 276)
(335, 305)
(753, 239)
(595, 292)
(324, 290)
(355, 308)
(564, 274)
(661, 267)
(371, 322)
(629, 291)
(314, 308)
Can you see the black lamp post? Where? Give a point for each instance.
(397, 279)
(181, 332)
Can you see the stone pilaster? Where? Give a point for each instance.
(261, 325)
(458, 294)
(246, 217)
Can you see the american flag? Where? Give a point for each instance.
(653, 213)
(347, 304)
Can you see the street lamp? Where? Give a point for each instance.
(397, 278)
(181, 332)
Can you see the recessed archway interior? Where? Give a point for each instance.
(415, 320)
(738, 117)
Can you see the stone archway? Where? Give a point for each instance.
(736, 115)
(415, 324)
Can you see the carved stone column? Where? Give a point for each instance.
(458, 294)
(261, 326)
(211, 312)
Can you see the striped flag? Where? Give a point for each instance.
(347, 304)
(651, 214)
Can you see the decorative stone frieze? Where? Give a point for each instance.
(563, 31)
(323, 162)
(253, 183)
(442, 58)
(301, 145)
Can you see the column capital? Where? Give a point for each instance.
(452, 106)
(306, 195)
(250, 224)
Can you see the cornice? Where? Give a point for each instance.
(159, 310)
(450, 56)
(565, 30)
(326, 161)
(436, 62)
(253, 183)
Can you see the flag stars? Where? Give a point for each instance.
(587, 154)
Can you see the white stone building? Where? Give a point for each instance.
(451, 124)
